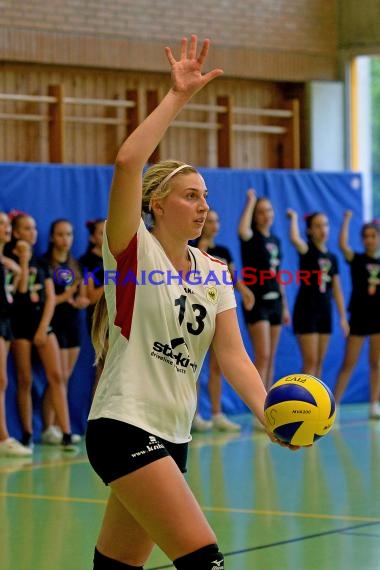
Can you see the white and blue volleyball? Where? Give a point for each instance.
(299, 409)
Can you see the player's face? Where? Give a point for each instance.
(62, 236)
(264, 215)
(26, 230)
(97, 236)
(371, 241)
(5, 229)
(319, 229)
(184, 210)
(212, 225)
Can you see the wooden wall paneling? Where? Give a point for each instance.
(132, 113)
(13, 128)
(224, 137)
(56, 125)
(73, 129)
(47, 78)
(89, 131)
(28, 108)
(3, 123)
(95, 143)
(43, 108)
(72, 146)
(151, 103)
(291, 140)
(98, 133)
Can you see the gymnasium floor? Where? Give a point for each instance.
(314, 509)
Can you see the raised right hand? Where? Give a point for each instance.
(186, 73)
(291, 213)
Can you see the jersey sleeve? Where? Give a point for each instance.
(226, 294)
(226, 298)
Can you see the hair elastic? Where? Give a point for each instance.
(166, 180)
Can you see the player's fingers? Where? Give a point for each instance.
(193, 46)
(211, 75)
(183, 48)
(204, 51)
(170, 56)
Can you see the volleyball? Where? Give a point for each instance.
(299, 409)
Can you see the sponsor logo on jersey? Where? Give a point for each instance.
(170, 353)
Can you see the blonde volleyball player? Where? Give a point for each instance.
(158, 334)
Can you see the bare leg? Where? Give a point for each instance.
(160, 508)
(354, 345)
(68, 359)
(49, 355)
(4, 347)
(308, 344)
(323, 342)
(215, 384)
(261, 342)
(374, 362)
(121, 537)
(22, 352)
(275, 331)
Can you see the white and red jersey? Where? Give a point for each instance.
(159, 332)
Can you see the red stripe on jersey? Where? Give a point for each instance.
(213, 258)
(125, 292)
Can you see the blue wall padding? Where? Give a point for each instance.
(80, 193)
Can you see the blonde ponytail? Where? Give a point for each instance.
(99, 330)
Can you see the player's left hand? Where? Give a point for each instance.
(275, 439)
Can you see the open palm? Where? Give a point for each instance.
(186, 73)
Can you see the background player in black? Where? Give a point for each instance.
(92, 260)
(364, 309)
(206, 242)
(32, 312)
(70, 298)
(312, 315)
(261, 250)
(10, 273)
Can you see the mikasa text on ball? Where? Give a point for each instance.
(299, 409)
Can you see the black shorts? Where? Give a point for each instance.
(307, 321)
(6, 329)
(67, 333)
(115, 448)
(265, 310)
(26, 327)
(362, 326)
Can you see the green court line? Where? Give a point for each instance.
(259, 512)
(53, 498)
(266, 512)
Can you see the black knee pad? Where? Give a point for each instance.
(206, 558)
(102, 562)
